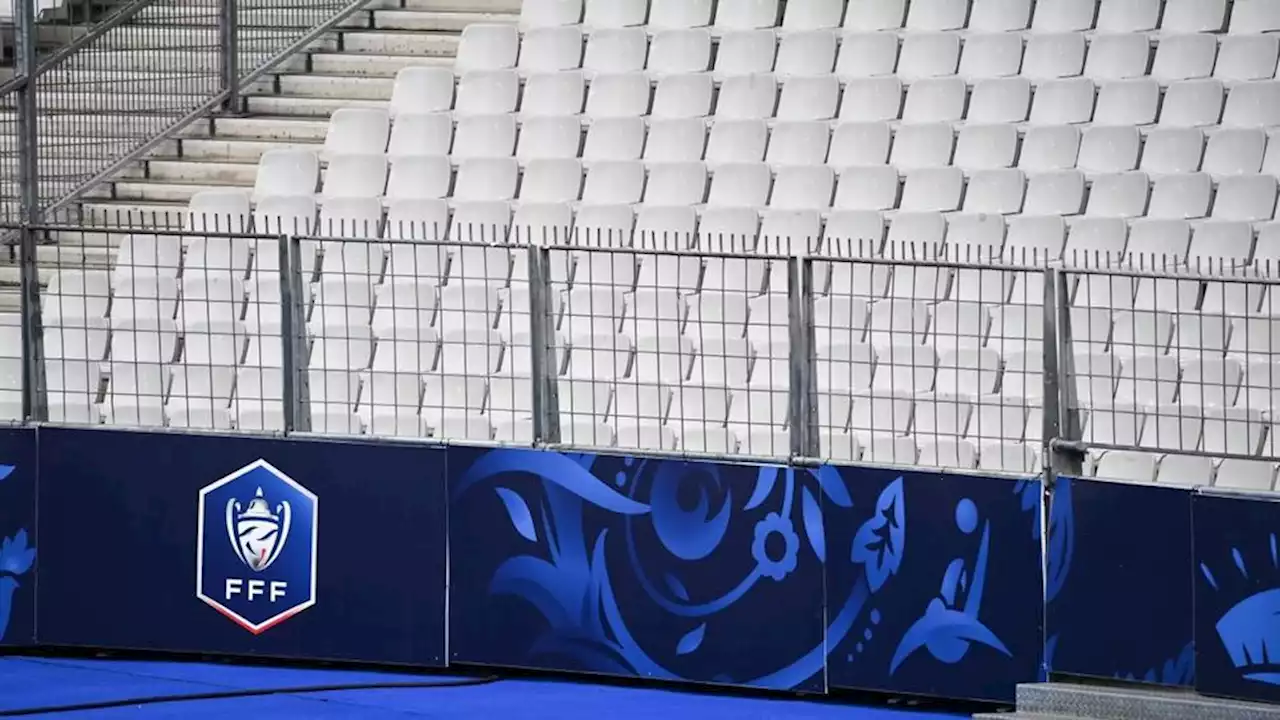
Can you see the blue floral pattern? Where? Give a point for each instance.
(689, 509)
(16, 559)
(651, 567)
(774, 525)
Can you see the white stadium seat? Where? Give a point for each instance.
(876, 135)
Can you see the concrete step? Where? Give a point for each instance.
(125, 213)
(191, 36)
(436, 21)
(270, 127)
(304, 106)
(248, 17)
(204, 172)
(58, 147)
(479, 6)
(233, 150)
(83, 100)
(195, 60)
(329, 86)
(106, 124)
(400, 43)
(1099, 702)
(66, 167)
(370, 65)
(162, 191)
(134, 81)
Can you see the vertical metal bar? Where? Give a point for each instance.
(34, 399)
(228, 47)
(28, 130)
(804, 435)
(546, 416)
(35, 405)
(1060, 396)
(292, 332)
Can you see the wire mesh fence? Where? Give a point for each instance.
(955, 356)
(1172, 366)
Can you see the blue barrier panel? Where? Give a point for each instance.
(17, 536)
(658, 568)
(1118, 584)
(933, 582)
(283, 548)
(1237, 596)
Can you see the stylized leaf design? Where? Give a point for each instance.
(832, 484)
(554, 468)
(879, 543)
(677, 588)
(765, 480)
(15, 557)
(542, 585)
(691, 641)
(813, 525)
(6, 471)
(518, 511)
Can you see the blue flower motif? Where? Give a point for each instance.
(776, 568)
(15, 557)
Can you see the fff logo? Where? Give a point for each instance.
(256, 547)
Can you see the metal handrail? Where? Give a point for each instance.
(112, 21)
(207, 107)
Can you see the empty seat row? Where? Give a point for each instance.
(1074, 100)
(1096, 150)
(1038, 57)
(1125, 16)
(1185, 470)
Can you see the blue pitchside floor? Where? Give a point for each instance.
(30, 683)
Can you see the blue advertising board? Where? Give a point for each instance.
(933, 582)
(18, 469)
(1118, 588)
(1237, 596)
(283, 548)
(668, 569)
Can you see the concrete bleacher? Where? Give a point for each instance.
(1035, 132)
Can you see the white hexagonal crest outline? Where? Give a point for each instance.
(256, 628)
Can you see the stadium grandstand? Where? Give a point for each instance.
(1004, 133)
(1028, 240)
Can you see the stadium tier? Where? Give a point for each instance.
(917, 172)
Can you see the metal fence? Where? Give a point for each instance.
(120, 87)
(951, 357)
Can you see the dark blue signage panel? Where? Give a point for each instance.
(17, 535)
(1237, 596)
(288, 548)
(1118, 583)
(657, 568)
(933, 582)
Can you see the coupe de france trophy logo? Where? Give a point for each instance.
(256, 547)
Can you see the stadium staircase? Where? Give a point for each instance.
(353, 66)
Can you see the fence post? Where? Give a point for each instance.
(34, 398)
(229, 59)
(542, 351)
(804, 438)
(1061, 452)
(293, 335)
